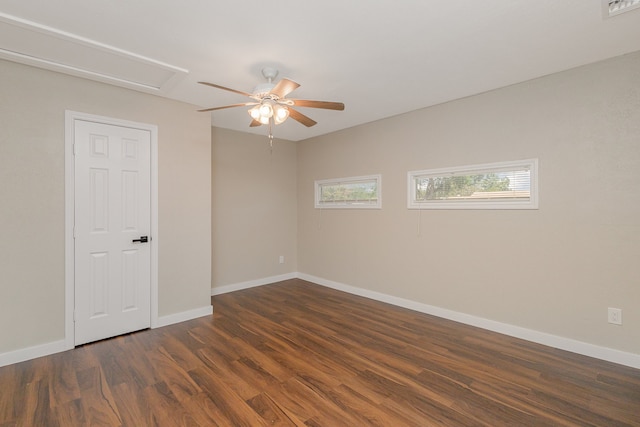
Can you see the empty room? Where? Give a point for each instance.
(389, 213)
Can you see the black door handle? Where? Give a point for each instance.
(142, 239)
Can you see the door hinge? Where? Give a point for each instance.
(74, 231)
(74, 315)
(74, 149)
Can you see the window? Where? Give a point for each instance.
(361, 192)
(505, 185)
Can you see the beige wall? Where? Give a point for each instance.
(254, 208)
(32, 115)
(554, 270)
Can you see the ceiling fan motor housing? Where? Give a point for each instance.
(263, 89)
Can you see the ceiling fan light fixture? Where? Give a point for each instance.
(255, 112)
(281, 113)
(266, 110)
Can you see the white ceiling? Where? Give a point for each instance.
(380, 57)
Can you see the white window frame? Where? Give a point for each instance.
(498, 203)
(318, 184)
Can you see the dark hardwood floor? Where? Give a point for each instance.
(294, 353)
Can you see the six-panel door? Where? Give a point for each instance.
(112, 210)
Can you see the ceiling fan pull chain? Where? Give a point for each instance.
(270, 138)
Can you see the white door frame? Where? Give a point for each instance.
(69, 198)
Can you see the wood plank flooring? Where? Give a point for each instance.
(298, 354)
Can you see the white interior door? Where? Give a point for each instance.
(112, 217)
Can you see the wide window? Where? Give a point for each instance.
(505, 185)
(361, 192)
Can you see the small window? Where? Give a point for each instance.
(362, 192)
(505, 185)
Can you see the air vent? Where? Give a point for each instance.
(616, 7)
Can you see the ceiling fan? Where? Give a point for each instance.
(270, 105)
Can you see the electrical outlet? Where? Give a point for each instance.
(615, 316)
(281, 259)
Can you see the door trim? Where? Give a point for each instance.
(69, 197)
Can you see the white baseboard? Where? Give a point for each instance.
(252, 283)
(574, 346)
(34, 352)
(184, 316)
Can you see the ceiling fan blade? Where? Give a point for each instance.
(284, 88)
(299, 117)
(226, 88)
(254, 123)
(318, 104)
(244, 104)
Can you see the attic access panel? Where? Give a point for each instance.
(41, 46)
